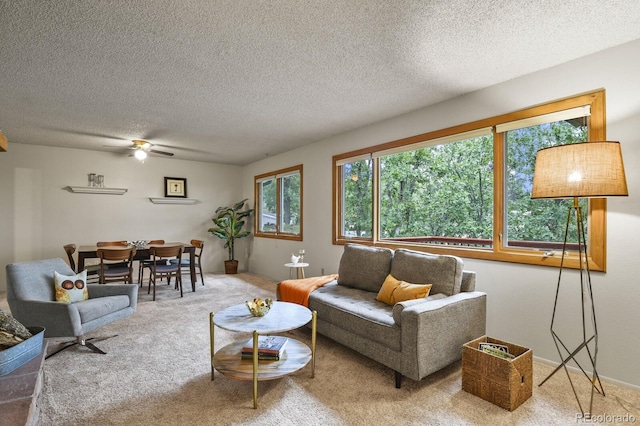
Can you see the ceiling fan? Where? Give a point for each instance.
(142, 148)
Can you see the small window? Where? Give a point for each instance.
(279, 204)
(357, 198)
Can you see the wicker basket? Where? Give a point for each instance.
(506, 383)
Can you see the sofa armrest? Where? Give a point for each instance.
(468, 281)
(434, 332)
(399, 307)
(59, 319)
(434, 305)
(104, 290)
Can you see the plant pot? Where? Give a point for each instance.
(230, 266)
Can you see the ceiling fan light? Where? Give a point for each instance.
(140, 154)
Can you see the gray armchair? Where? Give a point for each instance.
(31, 298)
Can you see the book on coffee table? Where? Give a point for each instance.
(267, 346)
(261, 357)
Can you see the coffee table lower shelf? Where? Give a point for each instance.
(229, 362)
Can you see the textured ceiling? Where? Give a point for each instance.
(236, 81)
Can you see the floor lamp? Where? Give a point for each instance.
(580, 170)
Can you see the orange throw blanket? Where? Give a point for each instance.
(298, 291)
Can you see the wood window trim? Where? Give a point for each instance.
(597, 206)
(256, 225)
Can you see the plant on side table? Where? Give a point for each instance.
(229, 223)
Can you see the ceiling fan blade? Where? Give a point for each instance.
(181, 148)
(155, 151)
(114, 148)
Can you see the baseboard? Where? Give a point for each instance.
(577, 370)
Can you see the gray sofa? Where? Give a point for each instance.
(416, 337)
(31, 298)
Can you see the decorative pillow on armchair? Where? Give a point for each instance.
(71, 288)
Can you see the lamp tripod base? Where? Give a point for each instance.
(594, 378)
(589, 343)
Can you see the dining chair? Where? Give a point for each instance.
(185, 263)
(93, 271)
(114, 244)
(160, 267)
(146, 263)
(116, 264)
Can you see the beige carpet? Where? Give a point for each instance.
(157, 372)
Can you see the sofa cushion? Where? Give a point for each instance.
(100, 306)
(442, 271)
(71, 288)
(394, 291)
(358, 312)
(364, 267)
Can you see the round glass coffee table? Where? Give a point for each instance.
(282, 316)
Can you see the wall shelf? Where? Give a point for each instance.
(168, 200)
(96, 190)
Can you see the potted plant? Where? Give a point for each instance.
(229, 222)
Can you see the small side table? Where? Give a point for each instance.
(298, 266)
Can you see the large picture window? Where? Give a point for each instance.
(466, 190)
(441, 193)
(279, 204)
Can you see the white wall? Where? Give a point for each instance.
(38, 216)
(520, 297)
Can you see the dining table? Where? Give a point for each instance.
(142, 253)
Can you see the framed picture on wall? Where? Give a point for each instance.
(175, 187)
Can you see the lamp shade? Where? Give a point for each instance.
(588, 169)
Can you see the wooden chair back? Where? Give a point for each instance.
(164, 252)
(70, 249)
(116, 254)
(117, 263)
(199, 245)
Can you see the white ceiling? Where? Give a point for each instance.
(236, 81)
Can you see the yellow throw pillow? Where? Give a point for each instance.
(408, 291)
(72, 288)
(394, 291)
(387, 289)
